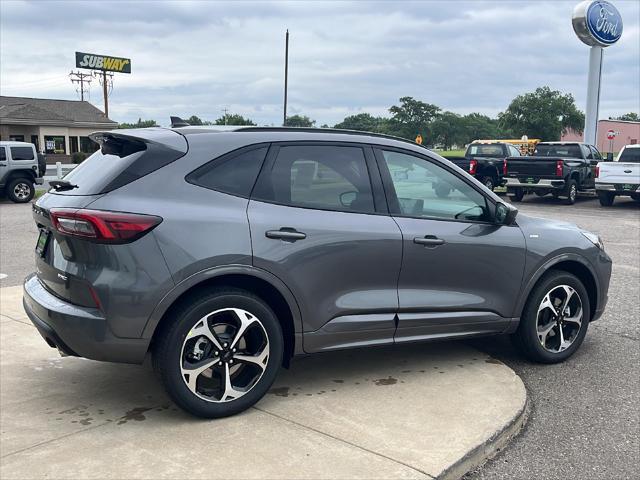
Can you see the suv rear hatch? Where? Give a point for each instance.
(75, 243)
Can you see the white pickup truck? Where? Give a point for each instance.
(619, 178)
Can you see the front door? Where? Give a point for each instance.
(316, 224)
(461, 273)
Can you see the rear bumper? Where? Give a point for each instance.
(75, 330)
(542, 183)
(614, 188)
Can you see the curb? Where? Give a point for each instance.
(490, 447)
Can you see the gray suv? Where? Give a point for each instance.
(226, 253)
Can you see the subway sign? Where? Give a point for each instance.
(103, 62)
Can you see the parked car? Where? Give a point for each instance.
(560, 168)
(21, 168)
(226, 253)
(485, 161)
(619, 178)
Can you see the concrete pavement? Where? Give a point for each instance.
(422, 411)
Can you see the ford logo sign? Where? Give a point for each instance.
(597, 23)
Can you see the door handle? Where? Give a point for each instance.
(627, 171)
(286, 234)
(3, 164)
(429, 241)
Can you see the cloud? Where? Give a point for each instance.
(345, 57)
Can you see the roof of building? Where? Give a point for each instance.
(45, 111)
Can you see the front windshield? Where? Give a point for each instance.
(559, 150)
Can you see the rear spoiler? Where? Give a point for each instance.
(126, 142)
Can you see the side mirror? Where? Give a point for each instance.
(610, 157)
(347, 198)
(505, 214)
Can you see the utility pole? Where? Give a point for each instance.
(106, 86)
(286, 77)
(225, 110)
(81, 78)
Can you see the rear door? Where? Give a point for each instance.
(319, 222)
(461, 273)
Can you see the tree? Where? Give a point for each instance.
(194, 120)
(299, 121)
(448, 129)
(233, 119)
(412, 117)
(479, 127)
(363, 122)
(630, 117)
(543, 114)
(139, 124)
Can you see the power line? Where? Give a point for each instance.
(81, 78)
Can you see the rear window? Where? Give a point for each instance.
(486, 150)
(117, 164)
(630, 155)
(564, 151)
(3, 153)
(22, 153)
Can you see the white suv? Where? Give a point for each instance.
(21, 167)
(621, 177)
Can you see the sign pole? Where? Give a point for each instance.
(104, 92)
(593, 95)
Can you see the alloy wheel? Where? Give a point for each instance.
(559, 318)
(224, 355)
(22, 190)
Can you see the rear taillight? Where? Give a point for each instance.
(504, 167)
(597, 171)
(101, 226)
(473, 167)
(559, 167)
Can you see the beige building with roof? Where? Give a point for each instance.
(57, 128)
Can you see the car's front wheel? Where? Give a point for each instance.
(220, 354)
(555, 319)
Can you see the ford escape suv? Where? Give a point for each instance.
(226, 253)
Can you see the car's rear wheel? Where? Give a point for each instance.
(489, 183)
(636, 196)
(221, 353)
(555, 319)
(20, 190)
(571, 192)
(517, 194)
(606, 198)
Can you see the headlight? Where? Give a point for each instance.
(595, 239)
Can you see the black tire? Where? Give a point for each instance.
(518, 194)
(636, 197)
(606, 198)
(489, 183)
(526, 337)
(167, 351)
(540, 193)
(21, 190)
(571, 192)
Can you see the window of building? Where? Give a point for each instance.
(235, 173)
(324, 177)
(73, 144)
(54, 144)
(35, 141)
(87, 145)
(16, 138)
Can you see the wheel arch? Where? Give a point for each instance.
(259, 282)
(571, 263)
(20, 173)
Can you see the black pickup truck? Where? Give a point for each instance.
(485, 161)
(560, 168)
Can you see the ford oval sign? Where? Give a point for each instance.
(597, 23)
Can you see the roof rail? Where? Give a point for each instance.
(327, 130)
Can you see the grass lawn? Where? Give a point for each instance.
(451, 153)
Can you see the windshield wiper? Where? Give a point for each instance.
(61, 185)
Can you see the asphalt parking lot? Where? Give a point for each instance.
(584, 419)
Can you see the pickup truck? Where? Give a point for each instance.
(619, 178)
(21, 167)
(485, 161)
(560, 168)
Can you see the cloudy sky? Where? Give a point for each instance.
(200, 57)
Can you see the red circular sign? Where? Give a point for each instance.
(611, 135)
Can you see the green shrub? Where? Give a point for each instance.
(78, 157)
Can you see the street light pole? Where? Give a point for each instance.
(286, 77)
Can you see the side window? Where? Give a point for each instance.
(3, 154)
(513, 151)
(325, 177)
(234, 173)
(425, 189)
(22, 153)
(588, 154)
(596, 153)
